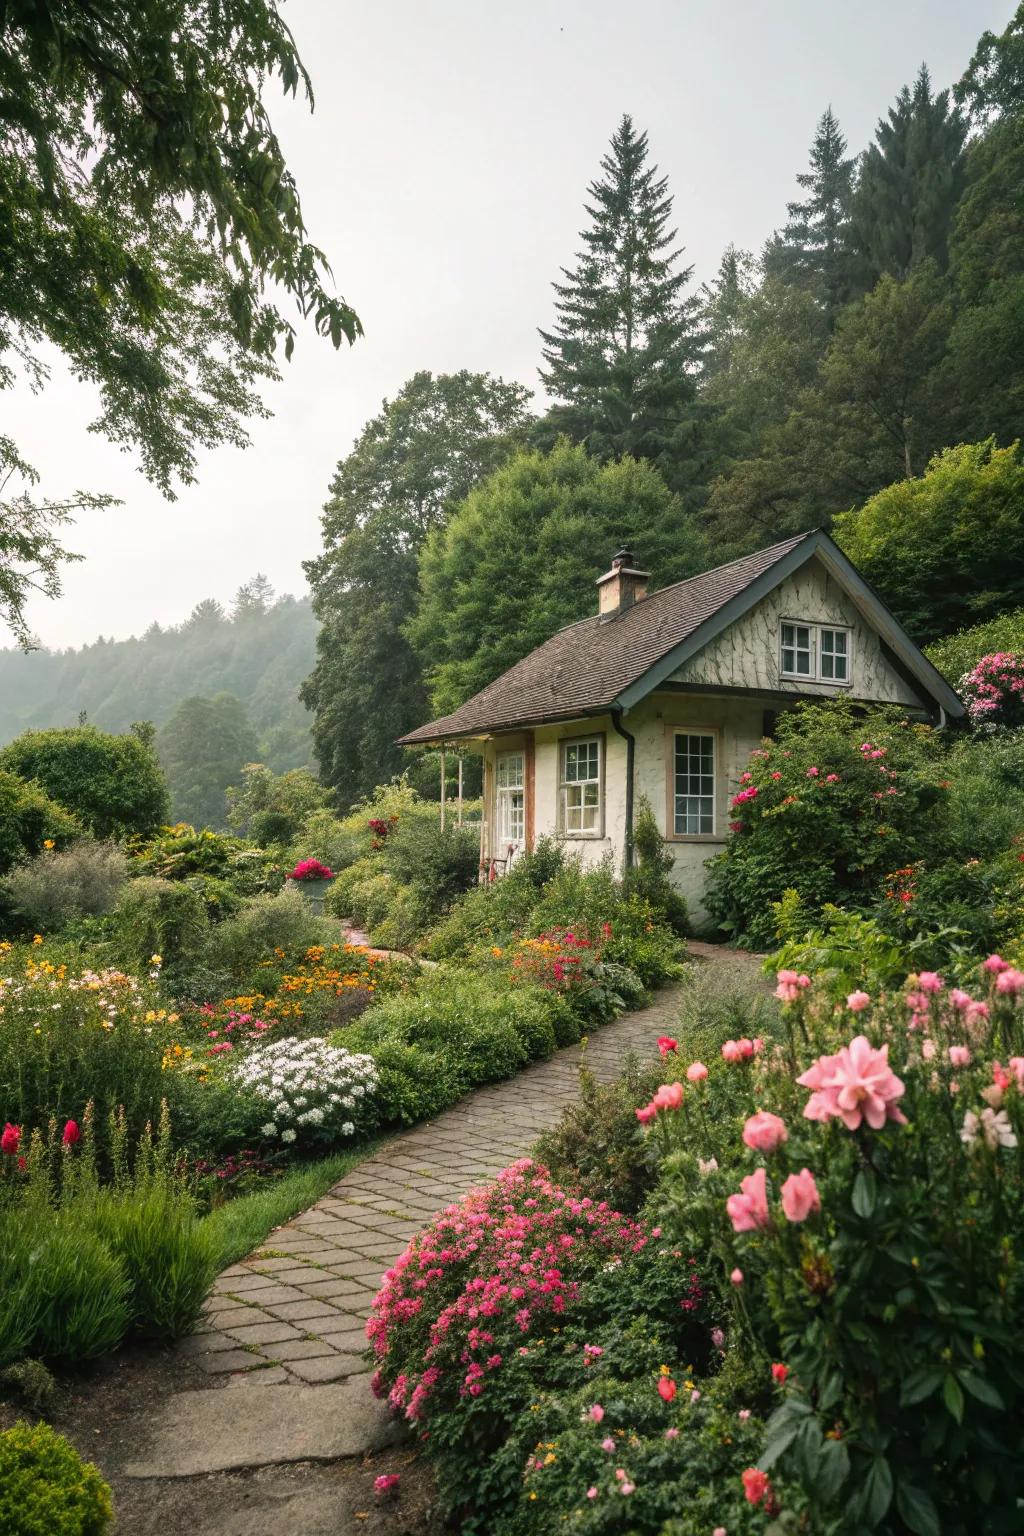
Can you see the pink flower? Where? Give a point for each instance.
(382, 1486)
(731, 1051)
(672, 1433)
(748, 1211)
(790, 986)
(764, 1132)
(696, 1072)
(929, 981)
(812, 773)
(1010, 983)
(668, 1096)
(960, 999)
(736, 1278)
(10, 1138)
(647, 1114)
(800, 1196)
(667, 1388)
(591, 1493)
(858, 1001)
(994, 964)
(695, 1395)
(960, 1056)
(595, 1412)
(666, 1044)
(831, 778)
(608, 1444)
(717, 1338)
(779, 1374)
(719, 1530)
(1017, 1068)
(626, 1489)
(743, 1415)
(854, 1085)
(71, 1133)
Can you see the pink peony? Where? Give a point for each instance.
(748, 1211)
(855, 1085)
(608, 1444)
(696, 1072)
(668, 1096)
(994, 964)
(800, 1196)
(960, 999)
(1010, 983)
(764, 1132)
(929, 981)
(960, 1056)
(858, 1001)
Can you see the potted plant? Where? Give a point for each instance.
(313, 879)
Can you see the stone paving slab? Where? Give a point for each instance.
(318, 1296)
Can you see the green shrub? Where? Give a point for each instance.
(836, 801)
(81, 1289)
(46, 1488)
(153, 1231)
(239, 948)
(440, 863)
(597, 1145)
(159, 917)
(650, 877)
(19, 1302)
(958, 653)
(113, 784)
(84, 879)
(183, 853)
(28, 819)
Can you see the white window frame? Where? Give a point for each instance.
(815, 632)
(707, 733)
(507, 814)
(566, 785)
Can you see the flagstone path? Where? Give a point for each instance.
(292, 1315)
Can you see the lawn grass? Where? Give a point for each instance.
(238, 1226)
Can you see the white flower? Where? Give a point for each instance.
(993, 1126)
(348, 1129)
(270, 1129)
(288, 1135)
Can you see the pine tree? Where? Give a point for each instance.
(814, 248)
(724, 303)
(621, 358)
(911, 179)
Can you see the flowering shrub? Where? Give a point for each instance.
(868, 1224)
(571, 963)
(305, 1089)
(993, 690)
(826, 810)
(311, 869)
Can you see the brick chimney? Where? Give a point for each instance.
(622, 586)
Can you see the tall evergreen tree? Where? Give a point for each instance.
(724, 302)
(621, 357)
(815, 247)
(203, 748)
(410, 466)
(910, 181)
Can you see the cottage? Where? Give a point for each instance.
(665, 694)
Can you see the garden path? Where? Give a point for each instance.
(292, 1315)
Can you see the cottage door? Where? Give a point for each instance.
(510, 778)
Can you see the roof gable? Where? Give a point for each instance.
(595, 666)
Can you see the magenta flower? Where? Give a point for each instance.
(855, 1085)
(748, 1211)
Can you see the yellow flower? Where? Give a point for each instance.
(48, 842)
(37, 938)
(496, 951)
(156, 960)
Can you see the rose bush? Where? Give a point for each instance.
(860, 1187)
(993, 690)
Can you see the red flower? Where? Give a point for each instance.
(779, 1373)
(666, 1044)
(10, 1139)
(71, 1133)
(667, 1388)
(756, 1486)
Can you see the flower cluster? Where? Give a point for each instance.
(561, 960)
(381, 827)
(993, 690)
(311, 869)
(306, 1088)
(484, 1282)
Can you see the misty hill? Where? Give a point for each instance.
(259, 652)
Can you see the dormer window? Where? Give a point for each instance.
(815, 653)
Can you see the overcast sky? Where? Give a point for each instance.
(443, 172)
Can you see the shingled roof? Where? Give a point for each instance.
(599, 664)
(584, 668)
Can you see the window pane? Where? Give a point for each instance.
(803, 663)
(694, 790)
(826, 663)
(787, 634)
(840, 669)
(789, 661)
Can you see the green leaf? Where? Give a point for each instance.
(833, 1469)
(981, 1388)
(782, 1429)
(919, 1385)
(877, 1491)
(953, 1397)
(865, 1193)
(917, 1511)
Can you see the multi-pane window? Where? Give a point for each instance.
(834, 652)
(511, 795)
(580, 787)
(797, 650)
(815, 652)
(694, 784)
